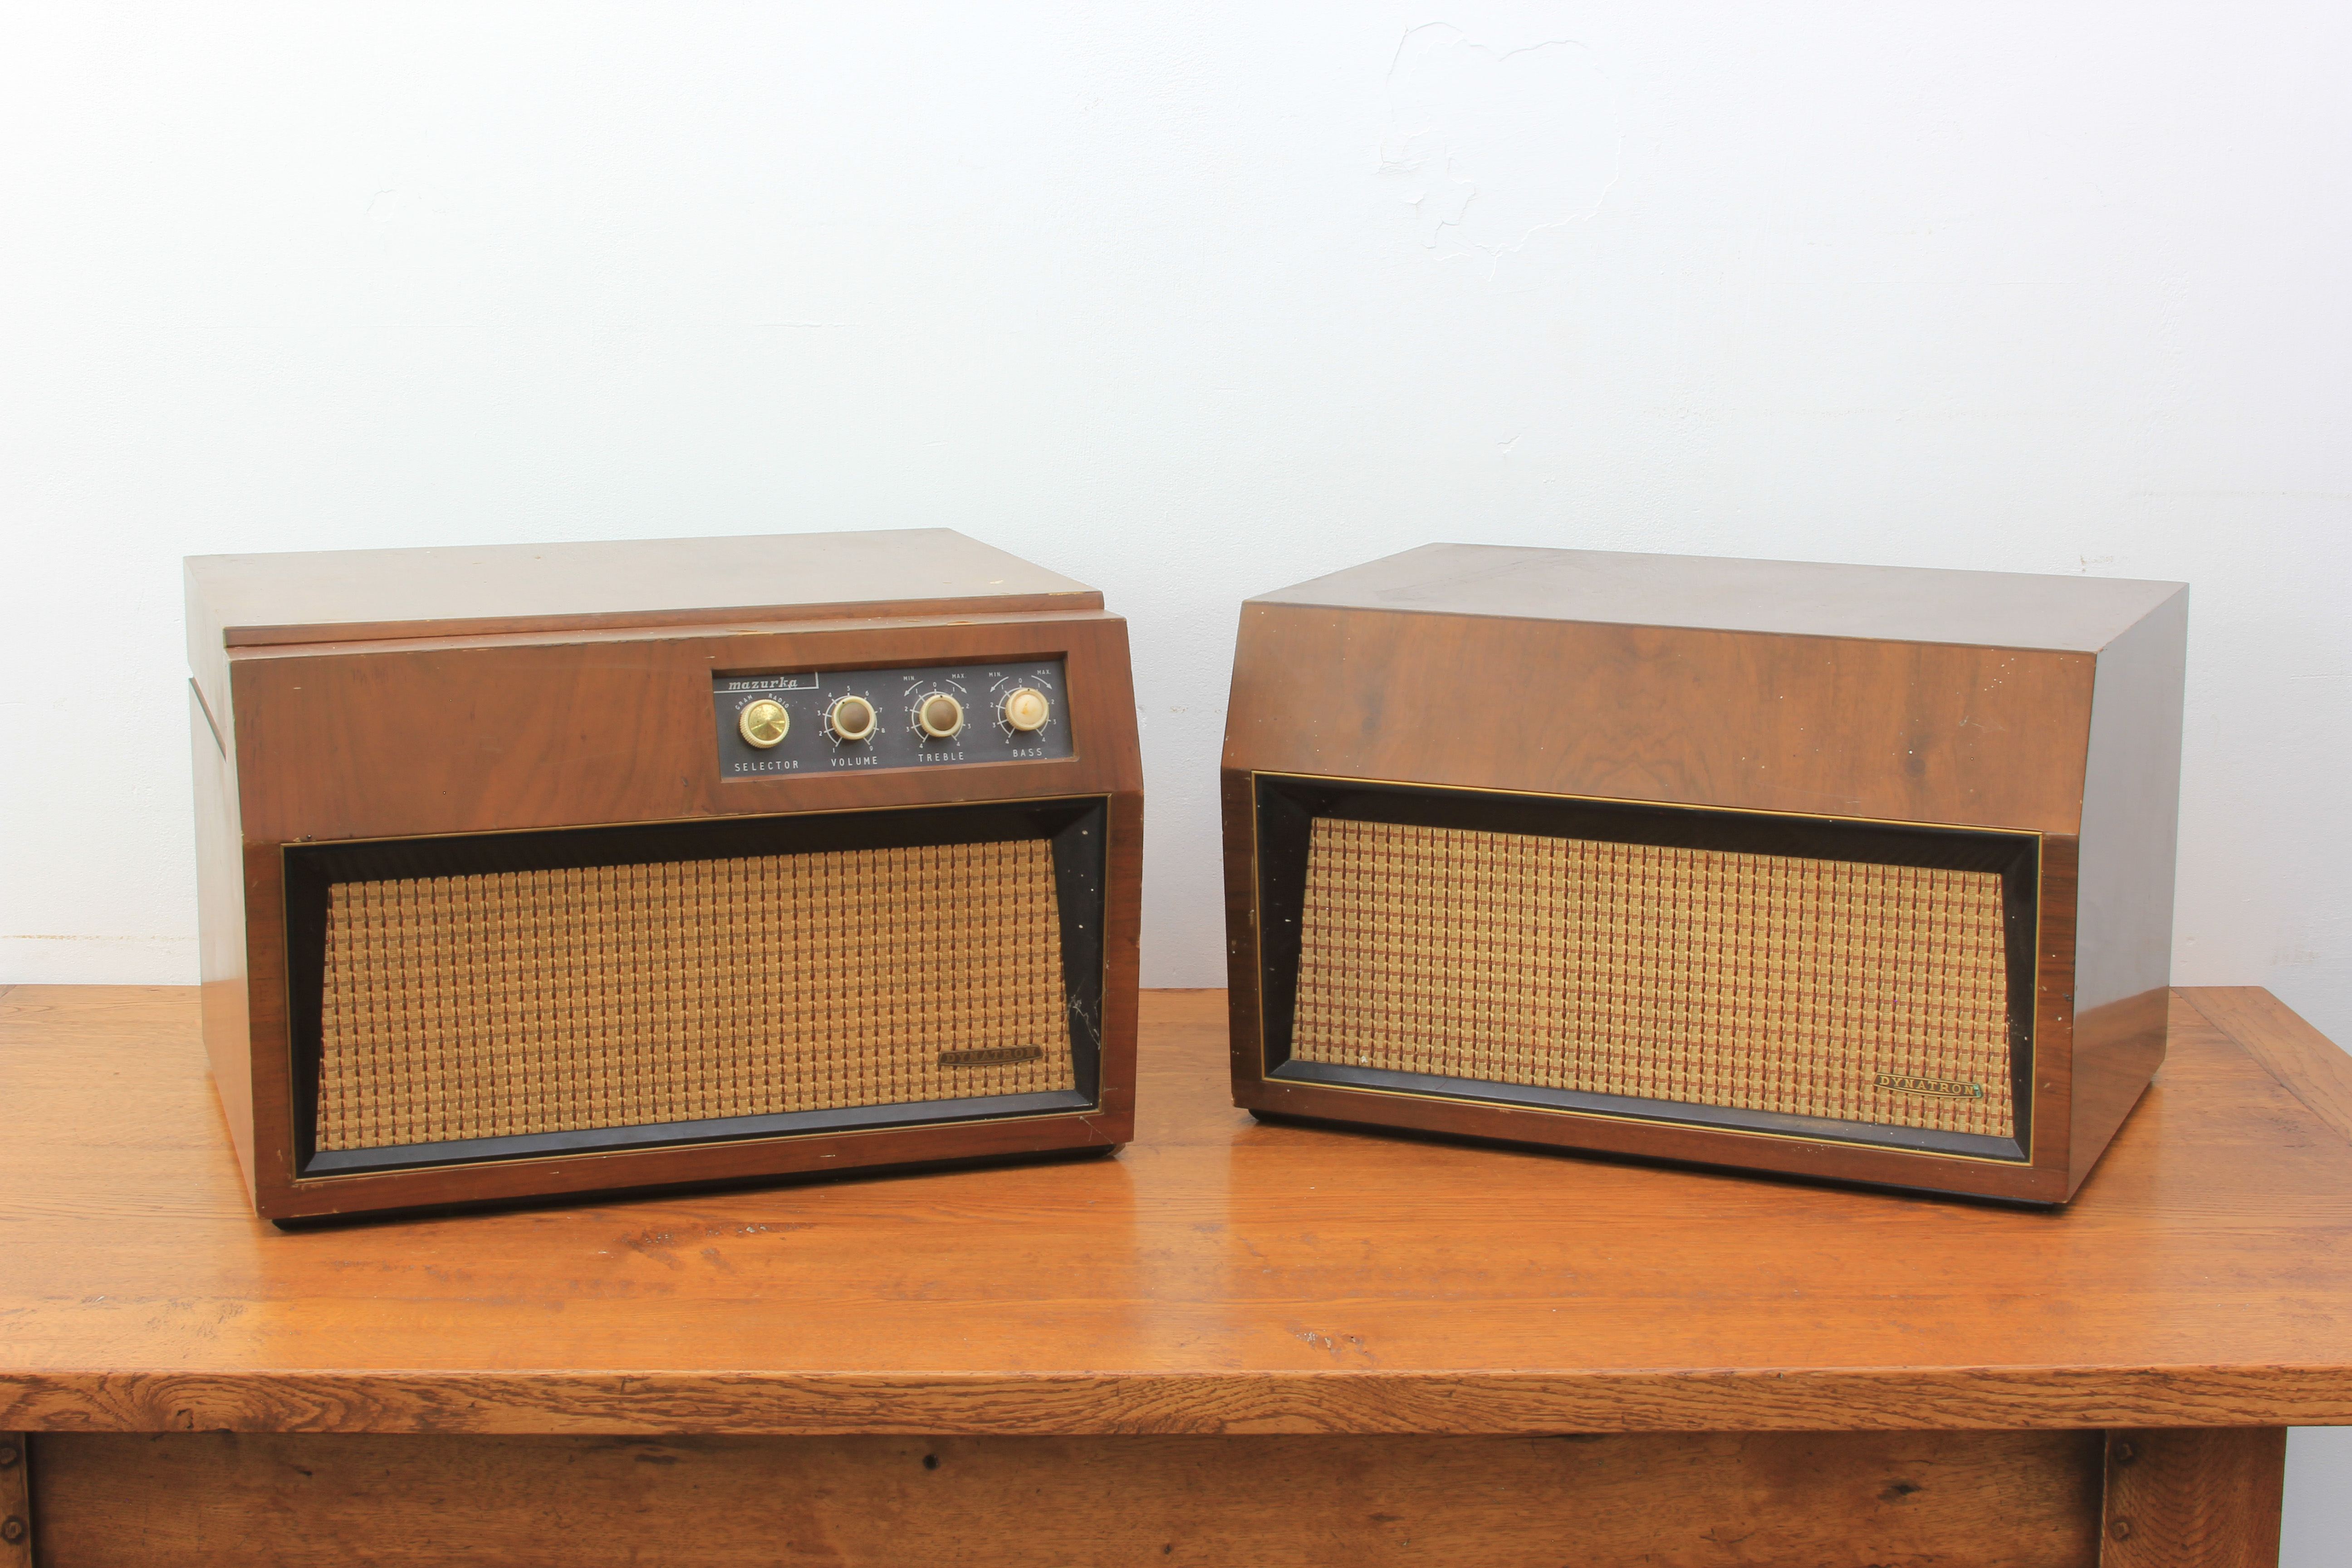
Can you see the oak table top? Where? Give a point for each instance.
(1217, 1277)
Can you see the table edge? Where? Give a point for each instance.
(1222, 1404)
(2300, 1061)
(1231, 1403)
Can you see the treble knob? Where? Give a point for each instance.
(1025, 709)
(939, 716)
(764, 723)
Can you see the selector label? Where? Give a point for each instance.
(936, 716)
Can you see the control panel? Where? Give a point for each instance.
(939, 716)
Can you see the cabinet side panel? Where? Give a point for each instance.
(1238, 812)
(220, 930)
(207, 656)
(2054, 1010)
(1102, 698)
(1122, 963)
(1257, 657)
(2131, 815)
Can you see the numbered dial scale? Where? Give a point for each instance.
(936, 717)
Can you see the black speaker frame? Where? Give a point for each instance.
(1077, 827)
(1285, 807)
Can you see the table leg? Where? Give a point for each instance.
(2203, 1496)
(16, 1502)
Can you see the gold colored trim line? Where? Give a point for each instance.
(860, 666)
(2032, 833)
(2033, 1033)
(212, 727)
(1709, 1128)
(685, 821)
(991, 1056)
(299, 1182)
(1075, 1114)
(2033, 1052)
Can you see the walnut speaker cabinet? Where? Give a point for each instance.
(534, 870)
(1849, 872)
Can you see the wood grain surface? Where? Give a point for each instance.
(1893, 731)
(1219, 1277)
(2019, 1499)
(338, 595)
(2193, 1498)
(1946, 699)
(428, 736)
(17, 1536)
(2307, 1063)
(1898, 604)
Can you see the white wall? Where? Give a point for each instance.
(1186, 301)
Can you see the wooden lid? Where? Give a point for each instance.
(1801, 598)
(354, 595)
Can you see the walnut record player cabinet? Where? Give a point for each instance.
(1860, 873)
(534, 870)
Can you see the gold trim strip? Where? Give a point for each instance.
(687, 821)
(2033, 833)
(1076, 1113)
(205, 708)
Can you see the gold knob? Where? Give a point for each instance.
(1025, 708)
(939, 715)
(764, 723)
(850, 718)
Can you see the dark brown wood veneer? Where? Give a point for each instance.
(369, 695)
(2041, 707)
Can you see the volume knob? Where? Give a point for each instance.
(764, 723)
(1026, 709)
(850, 718)
(938, 715)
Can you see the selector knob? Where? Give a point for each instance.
(764, 723)
(1025, 709)
(938, 715)
(850, 718)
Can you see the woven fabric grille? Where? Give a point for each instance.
(1751, 982)
(528, 1002)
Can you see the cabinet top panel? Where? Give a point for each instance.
(342, 595)
(1798, 598)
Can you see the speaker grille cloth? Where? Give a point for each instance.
(1750, 982)
(528, 1002)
